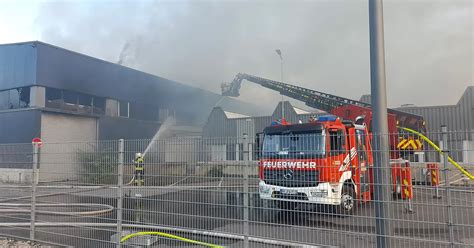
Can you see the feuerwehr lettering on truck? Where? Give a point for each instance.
(289, 164)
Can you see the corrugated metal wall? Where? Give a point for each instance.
(17, 65)
(218, 125)
(459, 117)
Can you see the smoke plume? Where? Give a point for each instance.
(325, 44)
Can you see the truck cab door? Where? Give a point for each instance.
(337, 148)
(363, 163)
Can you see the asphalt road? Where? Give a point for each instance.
(216, 205)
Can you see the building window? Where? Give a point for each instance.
(98, 104)
(74, 102)
(123, 109)
(15, 98)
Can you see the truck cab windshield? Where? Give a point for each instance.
(296, 145)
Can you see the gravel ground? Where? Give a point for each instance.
(12, 243)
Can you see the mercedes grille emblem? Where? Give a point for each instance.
(288, 174)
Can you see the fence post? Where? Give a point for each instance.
(120, 191)
(246, 189)
(34, 182)
(449, 207)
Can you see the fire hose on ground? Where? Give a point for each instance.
(451, 160)
(164, 228)
(104, 209)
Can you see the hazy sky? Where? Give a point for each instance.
(325, 44)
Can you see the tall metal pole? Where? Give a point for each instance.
(120, 192)
(246, 190)
(449, 204)
(34, 182)
(282, 97)
(278, 51)
(380, 126)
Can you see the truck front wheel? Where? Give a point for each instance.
(347, 201)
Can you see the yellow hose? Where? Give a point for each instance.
(167, 235)
(464, 171)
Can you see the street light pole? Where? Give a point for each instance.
(380, 126)
(278, 51)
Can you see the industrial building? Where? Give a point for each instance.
(229, 126)
(459, 120)
(60, 95)
(63, 96)
(458, 117)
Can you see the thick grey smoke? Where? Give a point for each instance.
(325, 44)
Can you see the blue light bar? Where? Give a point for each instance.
(325, 118)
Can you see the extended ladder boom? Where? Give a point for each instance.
(311, 98)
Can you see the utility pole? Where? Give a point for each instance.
(278, 51)
(380, 126)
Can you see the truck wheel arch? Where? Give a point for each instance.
(346, 179)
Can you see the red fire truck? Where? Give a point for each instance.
(327, 161)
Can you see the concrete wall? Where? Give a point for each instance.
(468, 151)
(17, 176)
(37, 96)
(64, 136)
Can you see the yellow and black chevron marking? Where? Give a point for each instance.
(406, 191)
(410, 143)
(434, 177)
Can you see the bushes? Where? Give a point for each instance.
(98, 167)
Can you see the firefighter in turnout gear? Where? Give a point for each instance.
(139, 181)
(139, 170)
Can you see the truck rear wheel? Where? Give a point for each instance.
(348, 201)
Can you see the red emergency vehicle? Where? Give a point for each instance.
(327, 161)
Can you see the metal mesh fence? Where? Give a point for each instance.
(278, 190)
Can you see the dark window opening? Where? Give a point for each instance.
(24, 97)
(123, 107)
(54, 98)
(70, 97)
(85, 100)
(4, 99)
(74, 102)
(336, 141)
(99, 105)
(15, 98)
(53, 94)
(14, 101)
